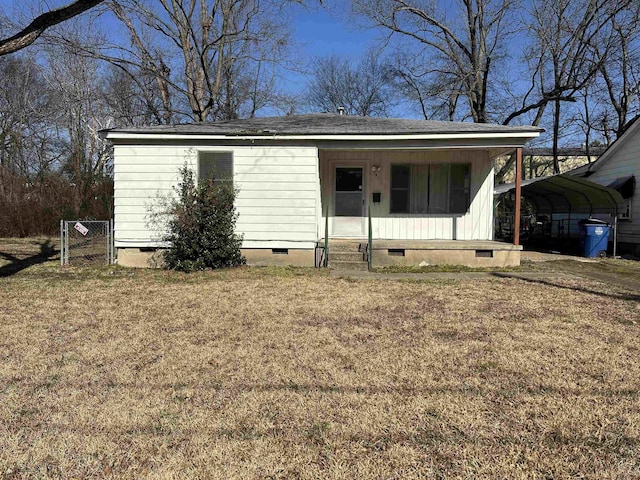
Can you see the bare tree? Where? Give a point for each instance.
(32, 32)
(362, 89)
(199, 59)
(618, 68)
(82, 112)
(465, 50)
(566, 33)
(27, 108)
(423, 87)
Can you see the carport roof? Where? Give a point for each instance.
(567, 194)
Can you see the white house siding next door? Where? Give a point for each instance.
(349, 201)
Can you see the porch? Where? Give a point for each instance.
(411, 195)
(352, 253)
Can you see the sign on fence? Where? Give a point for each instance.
(86, 242)
(81, 228)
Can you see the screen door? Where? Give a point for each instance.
(349, 201)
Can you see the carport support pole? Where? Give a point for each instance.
(516, 214)
(615, 236)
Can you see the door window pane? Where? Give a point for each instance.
(348, 179)
(349, 192)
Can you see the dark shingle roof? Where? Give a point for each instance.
(324, 124)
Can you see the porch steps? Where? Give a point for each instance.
(346, 256)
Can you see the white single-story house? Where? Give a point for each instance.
(426, 185)
(617, 168)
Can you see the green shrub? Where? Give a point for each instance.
(201, 226)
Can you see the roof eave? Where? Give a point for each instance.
(522, 134)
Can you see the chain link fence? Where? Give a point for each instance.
(86, 242)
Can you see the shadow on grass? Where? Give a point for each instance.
(549, 283)
(17, 265)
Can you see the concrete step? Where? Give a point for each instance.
(346, 256)
(342, 246)
(344, 265)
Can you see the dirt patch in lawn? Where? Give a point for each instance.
(289, 373)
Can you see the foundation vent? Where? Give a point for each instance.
(484, 253)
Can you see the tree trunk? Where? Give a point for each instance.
(556, 134)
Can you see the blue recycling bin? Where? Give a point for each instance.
(594, 238)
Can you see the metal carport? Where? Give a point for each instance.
(566, 194)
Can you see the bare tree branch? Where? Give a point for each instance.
(31, 32)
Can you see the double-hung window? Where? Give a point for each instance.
(215, 165)
(430, 188)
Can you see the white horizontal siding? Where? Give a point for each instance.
(240, 178)
(624, 161)
(260, 204)
(275, 194)
(278, 244)
(282, 229)
(274, 216)
(277, 199)
(476, 224)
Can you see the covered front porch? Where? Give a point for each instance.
(428, 194)
(420, 206)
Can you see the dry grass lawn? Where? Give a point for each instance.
(282, 373)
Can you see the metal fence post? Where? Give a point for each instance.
(62, 243)
(113, 242)
(66, 243)
(107, 250)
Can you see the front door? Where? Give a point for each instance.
(349, 202)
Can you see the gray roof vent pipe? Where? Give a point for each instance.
(341, 110)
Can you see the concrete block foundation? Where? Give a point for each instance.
(385, 253)
(284, 257)
(152, 258)
(468, 258)
(140, 257)
(437, 252)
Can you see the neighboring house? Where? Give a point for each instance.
(618, 168)
(538, 162)
(428, 185)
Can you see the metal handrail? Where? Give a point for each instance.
(326, 237)
(370, 241)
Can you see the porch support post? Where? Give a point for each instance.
(516, 214)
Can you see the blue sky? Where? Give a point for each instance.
(324, 34)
